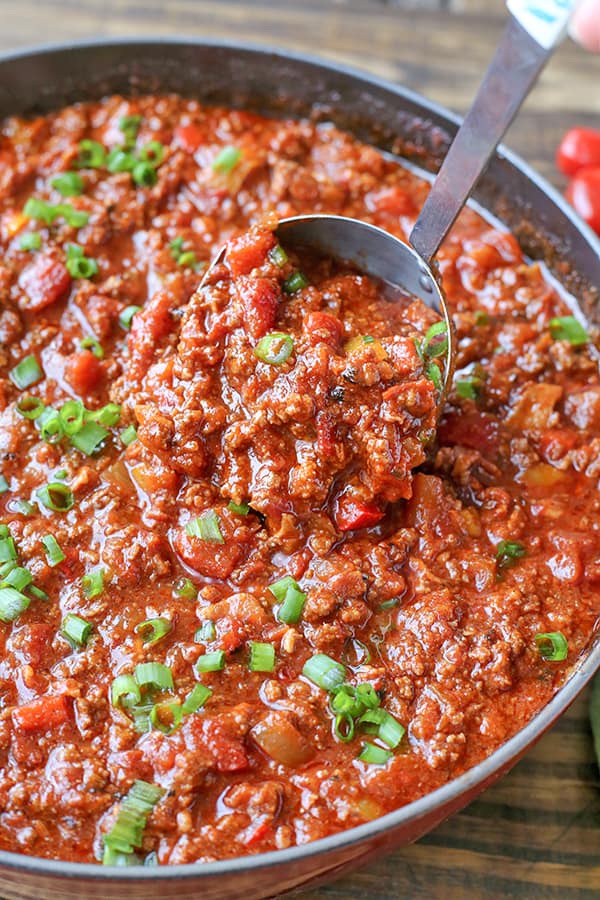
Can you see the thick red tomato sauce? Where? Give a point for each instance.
(214, 475)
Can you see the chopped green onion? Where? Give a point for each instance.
(324, 671)
(4, 486)
(368, 339)
(242, 509)
(469, 388)
(89, 438)
(508, 552)
(552, 645)
(153, 630)
(30, 407)
(275, 348)
(295, 283)
(107, 416)
(568, 328)
(120, 160)
(262, 657)
(80, 266)
(389, 730)
(374, 755)
(356, 653)
(287, 591)
(187, 260)
(12, 604)
(206, 527)
(5, 568)
(30, 241)
(56, 496)
(141, 717)
(278, 255)
(24, 507)
(166, 717)
(153, 152)
(40, 210)
(76, 630)
(61, 473)
(50, 425)
(185, 589)
(144, 174)
(206, 632)
(17, 578)
(54, 554)
(227, 160)
(344, 727)
(432, 347)
(4, 530)
(77, 218)
(92, 583)
(481, 317)
(130, 126)
(196, 698)
(26, 373)
(127, 831)
(92, 155)
(8, 551)
(211, 662)
(125, 691)
(176, 246)
(128, 435)
(38, 592)
(434, 374)
(71, 416)
(69, 184)
(367, 695)
(155, 674)
(127, 315)
(91, 343)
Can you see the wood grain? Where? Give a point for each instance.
(536, 834)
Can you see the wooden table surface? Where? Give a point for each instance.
(536, 834)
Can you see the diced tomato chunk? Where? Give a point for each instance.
(190, 137)
(475, 429)
(84, 372)
(322, 327)
(42, 714)
(44, 282)
(228, 751)
(260, 297)
(209, 559)
(351, 514)
(248, 251)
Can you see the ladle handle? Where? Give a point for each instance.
(534, 30)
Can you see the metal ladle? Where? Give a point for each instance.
(534, 30)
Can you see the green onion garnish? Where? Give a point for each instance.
(50, 425)
(91, 343)
(206, 632)
(48, 213)
(54, 554)
(26, 373)
(295, 283)
(324, 671)
(30, 407)
(92, 155)
(77, 218)
(152, 630)
(374, 755)
(92, 583)
(25, 507)
(432, 347)
(17, 578)
(130, 126)
(78, 265)
(275, 348)
(127, 315)
(469, 388)
(107, 416)
(154, 674)
(12, 604)
(176, 246)
(287, 591)
(568, 328)
(38, 592)
(434, 374)
(508, 552)
(4, 486)
(278, 255)
(76, 630)
(120, 160)
(153, 152)
(211, 662)
(30, 241)
(389, 730)
(8, 551)
(125, 691)
(128, 435)
(262, 657)
(187, 260)
(89, 438)
(144, 174)
(69, 184)
(196, 698)
(166, 716)
(185, 589)
(227, 160)
(344, 727)
(552, 645)
(127, 832)
(56, 496)
(242, 509)
(206, 527)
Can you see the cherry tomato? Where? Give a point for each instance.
(579, 148)
(584, 194)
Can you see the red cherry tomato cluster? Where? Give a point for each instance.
(578, 156)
